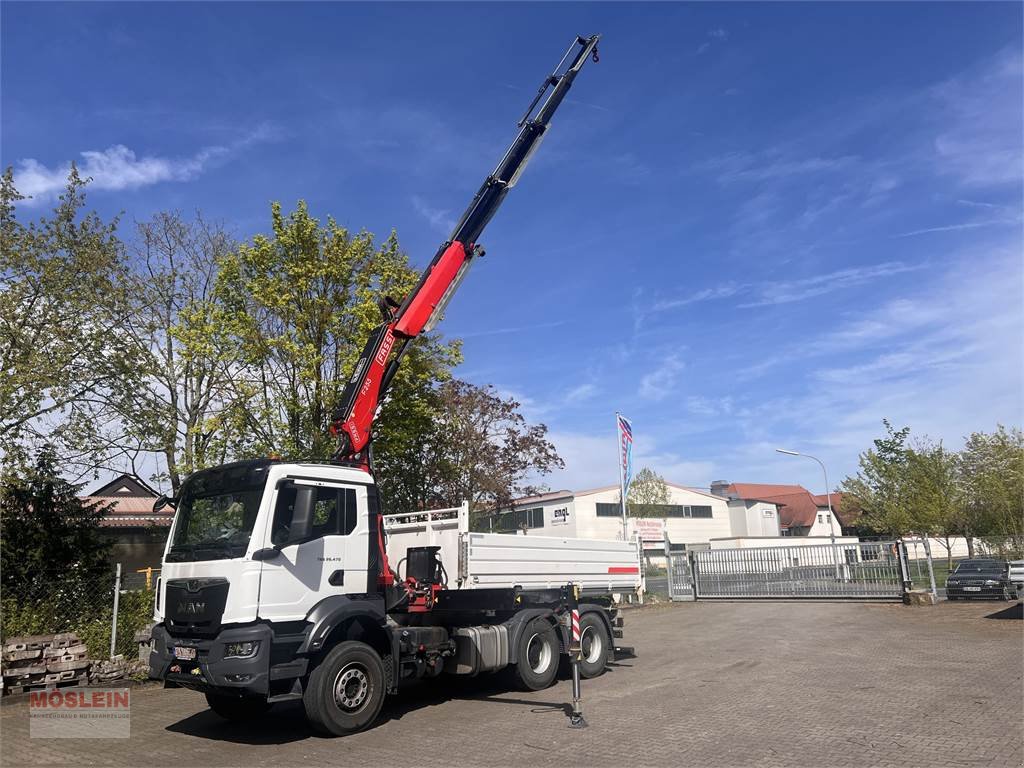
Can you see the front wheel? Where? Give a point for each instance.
(346, 690)
(236, 708)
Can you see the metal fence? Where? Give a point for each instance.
(680, 577)
(861, 570)
(105, 610)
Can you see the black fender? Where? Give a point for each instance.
(336, 610)
(518, 623)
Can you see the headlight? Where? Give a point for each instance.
(245, 650)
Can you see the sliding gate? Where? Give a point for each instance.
(861, 570)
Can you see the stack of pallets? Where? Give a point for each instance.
(44, 661)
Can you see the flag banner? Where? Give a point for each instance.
(626, 450)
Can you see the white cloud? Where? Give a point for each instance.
(788, 291)
(957, 227)
(982, 124)
(591, 461)
(118, 167)
(440, 219)
(818, 285)
(581, 393)
(660, 383)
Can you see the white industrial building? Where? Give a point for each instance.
(690, 517)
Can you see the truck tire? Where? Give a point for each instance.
(596, 643)
(537, 656)
(345, 690)
(236, 708)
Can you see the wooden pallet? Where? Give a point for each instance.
(57, 684)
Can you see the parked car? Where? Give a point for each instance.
(1016, 576)
(979, 578)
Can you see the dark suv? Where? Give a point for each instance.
(978, 578)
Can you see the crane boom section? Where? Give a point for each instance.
(424, 306)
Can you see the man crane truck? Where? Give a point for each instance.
(276, 583)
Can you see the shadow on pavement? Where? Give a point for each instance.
(1010, 612)
(286, 723)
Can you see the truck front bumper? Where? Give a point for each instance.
(211, 669)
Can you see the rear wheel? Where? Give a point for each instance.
(594, 641)
(236, 708)
(346, 690)
(537, 656)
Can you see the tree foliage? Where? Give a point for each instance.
(648, 488)
(47, 528)
(62, 302)
(176, 410)
(926, 489)
(473, 445)
(298, 306)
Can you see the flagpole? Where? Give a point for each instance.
(622, 476)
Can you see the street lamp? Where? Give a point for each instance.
(828, 499)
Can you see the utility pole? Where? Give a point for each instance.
(828, 500)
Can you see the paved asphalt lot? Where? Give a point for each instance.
(715, 684)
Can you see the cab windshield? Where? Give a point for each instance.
(217, 512)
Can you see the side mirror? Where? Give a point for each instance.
(165, 501)
(267, 553)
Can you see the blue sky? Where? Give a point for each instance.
(752, 225)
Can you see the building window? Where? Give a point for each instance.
(521, 518)
(821, 518)
(828, 518)
(657, 511)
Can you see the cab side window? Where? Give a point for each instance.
(334, 512)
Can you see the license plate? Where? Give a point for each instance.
(184, 652)
(972, 589)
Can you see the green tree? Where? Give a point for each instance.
(62, 304)
(991, 469)
(298, 306)
(480, 448)
(933, 496)
(177, 409)
(647, 489)
(47, 529)
(877, 494)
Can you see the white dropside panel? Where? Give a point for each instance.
(433, 528)
(477, 560)
(542, 562)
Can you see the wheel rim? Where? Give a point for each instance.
(592, 645)
(538, 653)
(351, 687)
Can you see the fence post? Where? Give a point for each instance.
(903, 564)
(931, 568)
(117, 599)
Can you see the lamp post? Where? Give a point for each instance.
(828, 500)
